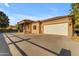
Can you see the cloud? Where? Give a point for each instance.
(2, 10)
(54, 10)
(6, 4)
(35, 18)
(13, 20)
(10, 17)
(22, 16)
(18, 17)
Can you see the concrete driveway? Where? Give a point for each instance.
(45, 45)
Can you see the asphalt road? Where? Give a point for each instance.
(41, 45)
(4, 49)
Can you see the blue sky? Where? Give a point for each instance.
(34, 11)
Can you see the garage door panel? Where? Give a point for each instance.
(58, 29)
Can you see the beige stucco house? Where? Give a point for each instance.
(61, 25)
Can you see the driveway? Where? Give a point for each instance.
(43, 45)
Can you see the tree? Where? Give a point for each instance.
(4, 20)
(75, 14)
(17, 26)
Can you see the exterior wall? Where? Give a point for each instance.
(20, 28)
(59, 21)
(70, 27)
(24, 28)
(28, 28)
(37, 31)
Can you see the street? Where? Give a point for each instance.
(38, 45)
(4, 50)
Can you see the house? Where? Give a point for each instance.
(61, 25)
(12, 27)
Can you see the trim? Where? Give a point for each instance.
(55, 18)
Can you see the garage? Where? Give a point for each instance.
(58, 29)
(58, 26)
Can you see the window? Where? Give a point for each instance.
(34, 27)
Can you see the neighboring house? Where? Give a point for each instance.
(12, 27)
(61, 25)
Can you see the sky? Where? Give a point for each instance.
(34, 11)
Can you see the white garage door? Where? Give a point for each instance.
(58, 29)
